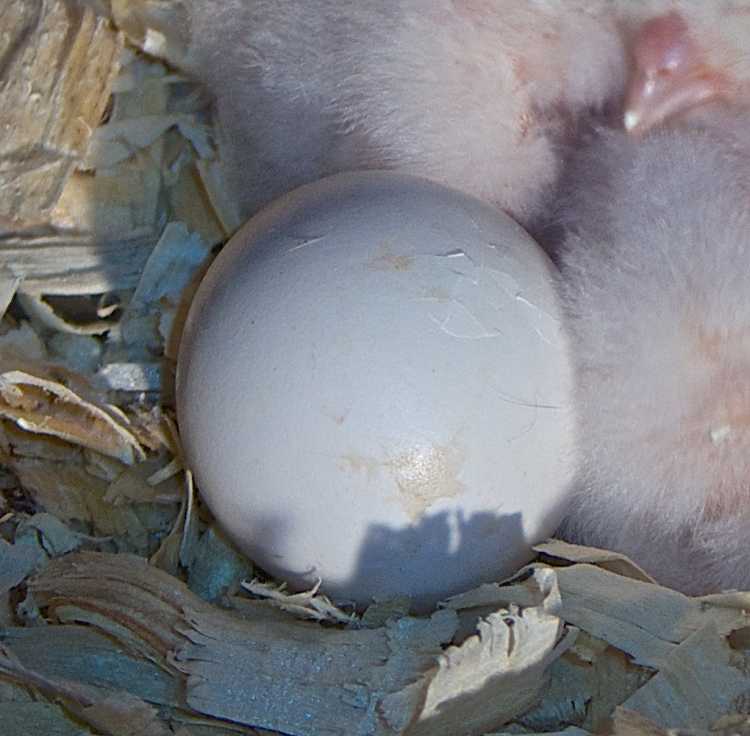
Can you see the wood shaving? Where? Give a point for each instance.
(69, 59)
(394, 679)
(120, 714)
(46, 407)
(309, 604)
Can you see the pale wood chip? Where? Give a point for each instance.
(47, 407)
(67, 57)
(605, 559)
(309, 604)
(696, 685)
(500, 672)
(72, 264)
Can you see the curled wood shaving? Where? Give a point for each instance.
(172, 551)
(36, 308)
(309, 604)
(46, 407)
(613, 561)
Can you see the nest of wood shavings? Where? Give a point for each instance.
(123, 610)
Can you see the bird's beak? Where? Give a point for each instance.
(653, 99)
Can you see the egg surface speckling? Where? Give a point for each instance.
(374, 389)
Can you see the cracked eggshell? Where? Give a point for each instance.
(374, 389)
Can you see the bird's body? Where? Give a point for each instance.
(482, 95)
(472, 93)
(655, 278)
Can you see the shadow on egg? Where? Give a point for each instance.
(445, 552)
(442, 555)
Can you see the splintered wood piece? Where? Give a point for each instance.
(114, 714)
(685, 640)
(303, 679)
(46, 407)
(59, 60)
(505, 664)
(71, 264)
(84, 655)
(22, 719)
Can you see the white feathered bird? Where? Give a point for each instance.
(480, 94)
(655, 280)
(477, 94)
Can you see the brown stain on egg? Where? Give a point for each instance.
(423, 475)
(356, 463)
(338, 417)
(389, 261)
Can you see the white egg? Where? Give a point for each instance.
(374, 389)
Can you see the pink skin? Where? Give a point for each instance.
(671, 75)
